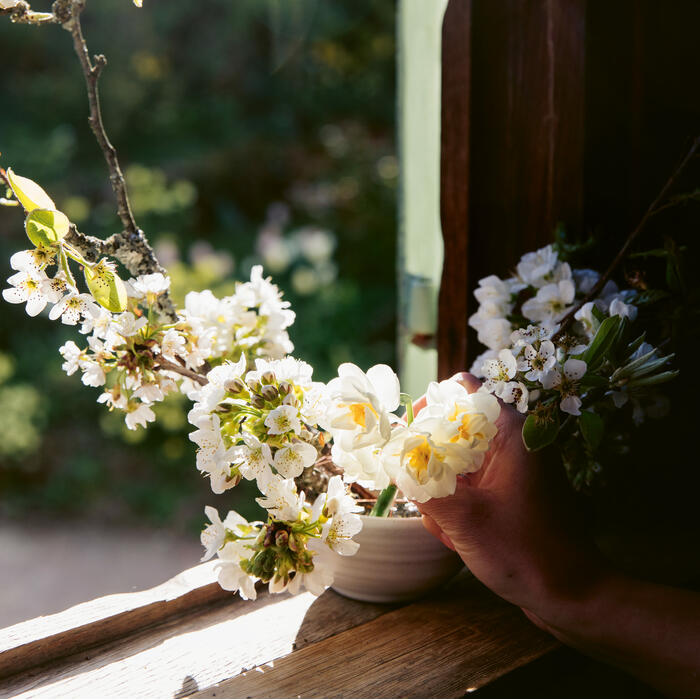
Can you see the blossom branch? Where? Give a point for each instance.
(179, 369)
(21, 13)
(654, 208)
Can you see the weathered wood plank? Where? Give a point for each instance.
(43, 639)
(195, 650)
(442, 646)
(454, 188)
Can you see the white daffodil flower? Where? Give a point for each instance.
(360, 405)
(363, 465)
(567, 384)
(291, 460)
(281, 499)
(551, 303)
(282, 420)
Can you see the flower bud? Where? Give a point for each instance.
(286, 388)
(253, 383)
(269, 392)
(268, 377)
(234, 386)
(257, 401)
(282, 538)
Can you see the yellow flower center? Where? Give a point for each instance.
(419, 458)
(357, 411)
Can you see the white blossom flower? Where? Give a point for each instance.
(477, 368)
(71, 354)
(536, 362)
(534, 268)
(254, 459)
(127, 325)
(500, 371)
(493, 333)
(516, 393)
(149, 392)
(149, 286)
(32, 288)
(283, 419)
(214, 535)
(336, 501)
(73, 307)
(551, 302)
(619, 308)
(138, 414)
(567, 384)
(33, 261)
(231, 575)
(281, 499)
(93, 373)
(291, 460)
(338, 532)
(172, 345)
(316, 581)
(114, 398)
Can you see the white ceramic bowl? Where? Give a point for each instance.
(398, 560)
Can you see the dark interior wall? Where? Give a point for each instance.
(570, 111)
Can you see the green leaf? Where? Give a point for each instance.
(654, 379)
(592, 428)
(603, 341)
(28, 193)
(46, 227)
(598, 314)
(594, 381)
(106, 286)
(540, 431)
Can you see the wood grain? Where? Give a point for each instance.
(43, 639)
(454, 188)
(196, 649)
(443, 646)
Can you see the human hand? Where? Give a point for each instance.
(515, 523)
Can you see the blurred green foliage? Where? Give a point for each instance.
(237, 123)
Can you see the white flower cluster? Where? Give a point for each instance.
(518, 317)
(423, 458)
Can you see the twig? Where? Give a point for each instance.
(179, 369)
(130, 247)
(22, 13)
(653, 209)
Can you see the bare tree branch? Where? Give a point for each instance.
(654, 208)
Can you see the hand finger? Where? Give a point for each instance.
(434, 529)
(468, 381)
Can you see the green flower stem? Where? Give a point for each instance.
(384, 502)
(407, 401)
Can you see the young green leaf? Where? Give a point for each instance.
(604, 338)
(106, 286)
(28, 193)
(592, 428)
(540, 431)
(45, 227)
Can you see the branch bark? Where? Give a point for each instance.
(654, 208)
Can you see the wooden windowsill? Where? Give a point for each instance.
(187, 637)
